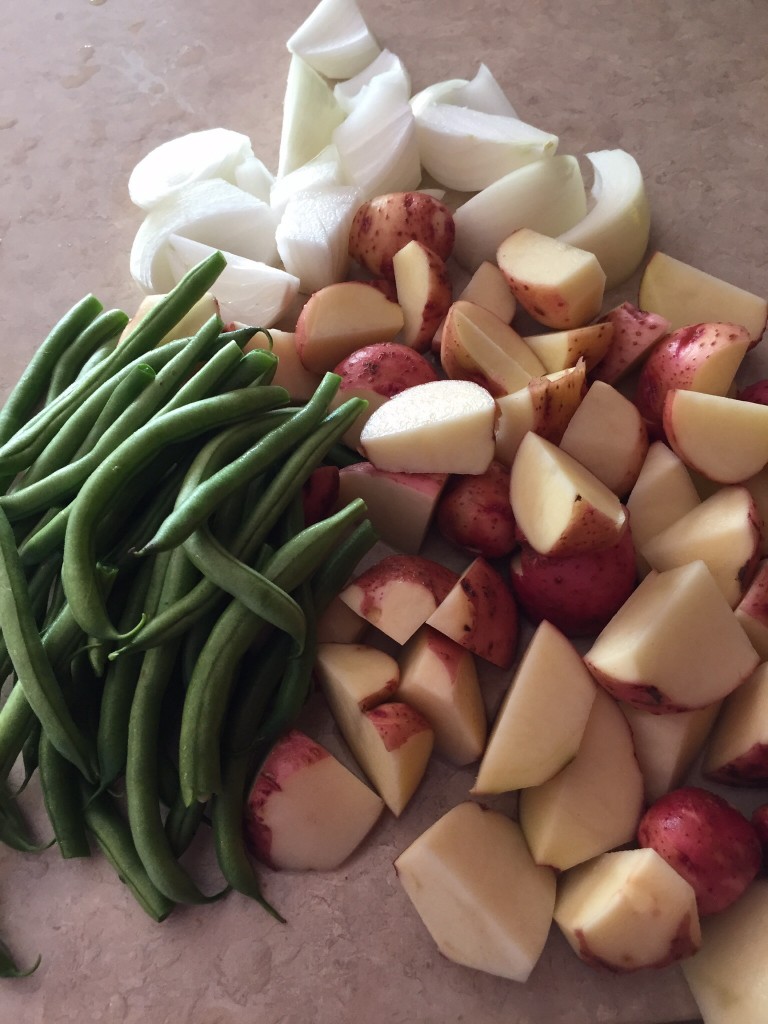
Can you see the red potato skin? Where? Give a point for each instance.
(751, 769)
(707, 841)
(293, 751)
(489, 600)
(414, 568)
(635, 332)
(673, 363)
(680, 948)
(475, 513)
(577, 593)
(320, 494)
(760, 825)
(756, 392)
(437, 305)
(396, 722)
(386, 368)
(385, 224)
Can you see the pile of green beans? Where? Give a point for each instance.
(158, 587)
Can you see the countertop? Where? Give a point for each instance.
(86, 89)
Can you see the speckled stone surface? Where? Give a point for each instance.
(85, 90)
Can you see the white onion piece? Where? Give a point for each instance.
(547, 196)
(482, 93)
(247, 291)
(438, 92)
(469, 149)
(335, 39)
(255, 177)
(377, 144)
(617, 227)
(310, 114)
(213, 212)
(313, 235)
(324, 171)
(386, 68)
(170, 167)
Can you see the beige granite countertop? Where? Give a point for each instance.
(85, 90)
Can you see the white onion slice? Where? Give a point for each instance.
(313, 235)
(335, 39)
(254, 176)
(387, 67)
(310, 114)
(438, 92)
(324, 171)
(469, 149)
(547, 196)
(213, 212)
(617, 227)
(247, 291)
(197, 156)
(377, 144)
(482, 93)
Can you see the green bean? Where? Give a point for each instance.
(212, 682)
(30, 390)
(113, 836)
(30, 662)
(104, 329)
(103, 488)
(30, 754)
(17, 719)
(182, 823)
(153, 328)
(205, 381)
(254, 366)
(286, 484)
(200, 504)
(126, 391)
(332, 576)
(14, 831)
(340, 455)
(8, 968)
(64, 482)
(59, 780)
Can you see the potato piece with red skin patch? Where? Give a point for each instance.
(702, 357)
(577, 593)
(476, 514)
(756, 392)
(424, 293)
(707, 841)
(480, 614)
(305, 810)
(737, 751)
(635, 332)
(760, 825)
(320, 494)
(392, 743)
(398, 593)
(385, 224)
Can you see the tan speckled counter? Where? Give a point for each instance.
(85, 90)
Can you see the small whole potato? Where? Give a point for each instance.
(707, 841)
(382, 226)
(577, 593)
(475, 513)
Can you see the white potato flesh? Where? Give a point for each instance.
(539, 726)
(444, 426)
(560, 350)
(335, 39)
(737, 750)
(752, 611)
(617, 227)
(392, 743)
(663, 493)
(290, 374)
(544, 405)
(686, 295)
(546, 195)
(355, 677)
(457, 875)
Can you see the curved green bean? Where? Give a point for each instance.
(59, 781)
(106, 328)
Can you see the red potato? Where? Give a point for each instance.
(305, 810)
(752, 610)
(755, 392)
(707, 841)
(703, 357)
(559, 350)
(475, 513)
(760, 825)
(635, 332)
(320, 494)
(480, 614)
(376, 373)
(737, 751)
(424, 292)
(385, 224)
(577, 593)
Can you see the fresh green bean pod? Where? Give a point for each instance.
(256, 366)
(31, 388)
(103, 330)
(59, 780)
(182, 824)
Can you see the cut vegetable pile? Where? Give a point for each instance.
(185, 511)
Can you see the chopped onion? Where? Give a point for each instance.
(469, 149)
(335, 39)
(482, 93)
(255, 177)
(387, 67)
(438, 92)
(547, 196)
(617, 227)
(377, 143)
(313, 235)
(247, 291)
(324, 171)
(310, 114)
(170, 167)
(215, 213)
